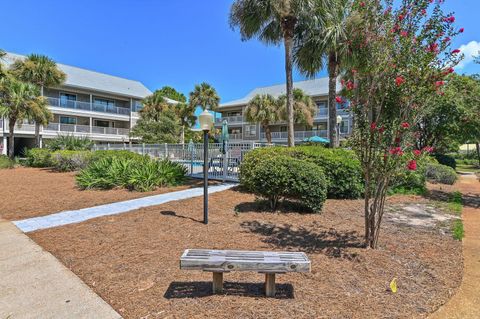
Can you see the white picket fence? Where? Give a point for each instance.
(223, 160)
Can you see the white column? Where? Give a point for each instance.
(41, 142)
(91, 121)
(91, 103)
(4, 149)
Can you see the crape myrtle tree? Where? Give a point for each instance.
(401, 56)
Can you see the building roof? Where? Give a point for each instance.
(91, 80)
(316, 87)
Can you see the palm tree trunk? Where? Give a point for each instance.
(332, 92)
(288, 43)
(182, 137)
(268, 133)
(11, 138)
(37, 125)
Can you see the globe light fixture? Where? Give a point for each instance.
(206, 122)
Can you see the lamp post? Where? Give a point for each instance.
(339, 121)
(206, 122)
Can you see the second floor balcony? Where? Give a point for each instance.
(87, 106)
(230, 119)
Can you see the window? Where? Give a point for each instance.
(235, 131)
(104, 102)
(234, 113)
(322, 108)
(68, 120)
(137, 106)
(250, 130)
(67, 100)
(283, 129)
(344, 127)
(101, 123)
(322, 126)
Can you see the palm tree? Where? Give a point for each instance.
(41, 71)
(2, 71)
(303, 108)
(154, 105)
(274, 22)
(325, 41)
(205, 96)
(263, 109)
(184, 112)
(17, 102)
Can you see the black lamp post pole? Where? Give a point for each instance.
(205, 177)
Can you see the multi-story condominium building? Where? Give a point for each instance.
(241, 130)
(99, 106)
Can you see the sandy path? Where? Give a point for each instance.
(466, 303)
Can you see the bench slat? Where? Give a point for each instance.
(238, 260)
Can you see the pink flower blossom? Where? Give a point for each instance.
(450, 19)
(373, 126)
(404, 34)
(338, 99)
(399, 80)
(417, 152)
(405, 125)
(455, 51)
(461, 30)
(439, 83)
(396, 151)
(412, 165)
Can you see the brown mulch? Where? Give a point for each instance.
(32, 192)
(132, 261)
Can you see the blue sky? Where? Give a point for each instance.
(160, 42)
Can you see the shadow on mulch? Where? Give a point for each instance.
(199, 289)
(330, 242)
(174, 214)
(467, 200)
(263, 206)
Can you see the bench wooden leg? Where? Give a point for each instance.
(270, 285)
(217, 283)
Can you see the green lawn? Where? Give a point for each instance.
(467, 168)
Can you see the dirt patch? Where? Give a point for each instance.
(31, 192)
(419, 215)
(131, 261)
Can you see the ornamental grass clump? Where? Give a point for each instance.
(134, 173)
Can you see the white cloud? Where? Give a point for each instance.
(470, 51)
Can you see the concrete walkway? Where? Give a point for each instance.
(34, 284)
(80, 215)
(466, 303)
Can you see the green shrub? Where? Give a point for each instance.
(135, 173)
(341, 167)
(457, 229)
(438, 173)
(98, 155)
(5, 162)
(446, 160)
(279, 176)
(69, 143)
(38, 157)
(68, 161)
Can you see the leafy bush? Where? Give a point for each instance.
(5, 162)
(38, 157)
(438, 173)
(68, 161)
(279, 176)
(98, 155)
(70, 143)
(341, 167)
(446, 160)
(132, 172)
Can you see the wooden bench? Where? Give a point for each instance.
(222, 261)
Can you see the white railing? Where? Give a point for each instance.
(230, 119)
(24, 127)
(299, 135)
(223, 160)
(85, 129)
(86, 106)
(236, 136)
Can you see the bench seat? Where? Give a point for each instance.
(221, 261)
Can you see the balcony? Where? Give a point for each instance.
(299, 135)
(236, 136)
(85, 129)
(230, 119)
(86, 106)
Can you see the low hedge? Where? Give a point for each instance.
(446, 160)
(5, 162)
(341, 167)
(135, 173)
(68, 161)
(277, 176)
(442, 174)
(38, 157)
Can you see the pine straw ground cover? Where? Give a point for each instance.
(132, 261)
(31, 192)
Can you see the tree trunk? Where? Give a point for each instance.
(37, 125)
(288, 26)
(268, 133)
(182, 136)
(478, 152)
(11, 138)
(332, 105)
